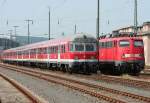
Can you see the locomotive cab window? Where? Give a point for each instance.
(90, 47)
(124, 43)
(138, 43)
(79, 47)
(71, 47)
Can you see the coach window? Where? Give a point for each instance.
(124, 43)
(138, 43)
(31, 52)
(56, 49)
(39, 50)
(18, 53)
(71, 47)
(24, 52)
(62, 48)
(27, 52)
(79, 47)
(44, 51)
(109, 44)
(52, 49)
(49, 50)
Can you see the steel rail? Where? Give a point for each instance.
(129, 82)
(24, 90)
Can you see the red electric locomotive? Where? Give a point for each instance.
(120, 55)
(73, 54)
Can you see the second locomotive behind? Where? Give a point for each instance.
(119, 55)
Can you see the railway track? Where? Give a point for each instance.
(147, 71)
(32, 97)
(80, 85)
(131, 82)
(128, 82)
(137, 82)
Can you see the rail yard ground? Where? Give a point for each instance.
(9, 94)
(59, 87)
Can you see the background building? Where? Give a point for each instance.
(23, 40)
(146, 39)
(146, 27)
(130, 29)
(7, 43)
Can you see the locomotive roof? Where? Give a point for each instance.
(119, 38)
(52, 42)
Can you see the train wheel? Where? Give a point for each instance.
(69, 70)
(66, 68)
(50, 66)
(117, 70)
(94, 70)
(63, 69)
(136, 71)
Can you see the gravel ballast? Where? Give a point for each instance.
(51, 92)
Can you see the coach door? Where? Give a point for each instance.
(114, 50)
(58, 54)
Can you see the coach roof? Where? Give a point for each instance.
(53, 42)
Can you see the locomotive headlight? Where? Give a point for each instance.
(141, 55)
(126, 55)
(92, 57)
(76, 58)
(132, 55)
(123, 55)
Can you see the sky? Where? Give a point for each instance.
(65, 14)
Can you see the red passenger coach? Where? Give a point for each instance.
(120, 55)
(73, 54)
